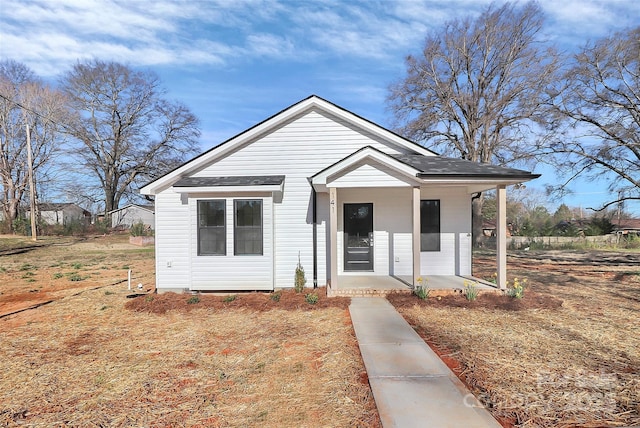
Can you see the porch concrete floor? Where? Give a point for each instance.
(381, 282)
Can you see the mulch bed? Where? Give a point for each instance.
(491, 300)
(257, 301)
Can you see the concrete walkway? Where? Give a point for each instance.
(411, 385)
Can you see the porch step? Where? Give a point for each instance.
(364, 292)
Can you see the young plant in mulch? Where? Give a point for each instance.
(193, 300)
(470, 291)
(421, 290)
(516, 290)
(300, 278)
(311, 298)
(229, 299)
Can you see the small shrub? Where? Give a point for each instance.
(140, 229)
(516, 290)
(470, 290)
(311, 298)
(193, 300)
(76, 265)
(148, 299)
(229, 298)
(276, 296)
(300, 278)
(57, 275)
(421, 290)
(27, 266)
(75, 277)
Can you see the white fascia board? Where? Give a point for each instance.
(367, 153)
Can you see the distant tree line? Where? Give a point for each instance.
(535, 220)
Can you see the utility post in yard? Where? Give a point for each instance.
(32, 187)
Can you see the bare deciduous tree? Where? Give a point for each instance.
(477, 90)
(601, 99)
(127, 130)
(24, 99)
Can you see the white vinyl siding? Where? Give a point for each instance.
(454, 257)
(298, 150)
(391, 229)
(369, 175)
(233, 272)
(173, 253)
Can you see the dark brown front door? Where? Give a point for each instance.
(358, 237)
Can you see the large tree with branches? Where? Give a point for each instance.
(478, 88)
(600, 97)
(26, 100)
(128, 132)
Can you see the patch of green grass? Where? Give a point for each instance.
(75, 277)
(126, 267)
(109, 293)
(27, 274)
(76, 265)
(58, 275)
(193, 300)
(27, 266)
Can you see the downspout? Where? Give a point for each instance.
(314, 220)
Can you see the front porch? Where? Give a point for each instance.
(381, 285)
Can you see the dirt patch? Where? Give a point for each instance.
(542, 363)
(259, 302)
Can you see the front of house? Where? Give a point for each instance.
(319, 184)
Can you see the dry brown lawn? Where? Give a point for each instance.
(535, 363)
(87, 360)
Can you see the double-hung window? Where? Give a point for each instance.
(212, 231)
(248, 227)
(430, 225)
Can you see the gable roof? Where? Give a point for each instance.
(149, 208)
(424, 168)
(272, 123)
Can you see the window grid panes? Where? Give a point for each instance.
(248, 227)
(212, 231)
(430, 225)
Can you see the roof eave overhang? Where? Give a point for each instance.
(229, 189)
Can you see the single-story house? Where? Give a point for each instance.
(131, 214)
(319, 184)
(626, 226)
(61, 213)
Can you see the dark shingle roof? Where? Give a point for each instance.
(438, 166)
(252, 180)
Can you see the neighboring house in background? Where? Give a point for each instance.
(626, 226)
(61, 213)
(317, 183)
(132, 214)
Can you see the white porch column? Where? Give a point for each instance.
(501, 236)
(333, 236)
(416, 233)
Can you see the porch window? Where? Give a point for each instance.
(430, 225)
(248, 227)
(212, 230)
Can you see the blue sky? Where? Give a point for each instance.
(237, 62)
